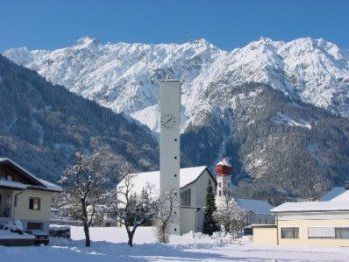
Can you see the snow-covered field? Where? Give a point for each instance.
(109, 244)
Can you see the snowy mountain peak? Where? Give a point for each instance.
(86, 41)
(125, 76)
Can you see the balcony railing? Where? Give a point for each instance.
(4, 211)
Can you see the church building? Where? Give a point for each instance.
(193, 185)
(188, 183)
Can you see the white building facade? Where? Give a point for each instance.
(170, 104)
(193, 188)
(311, 223)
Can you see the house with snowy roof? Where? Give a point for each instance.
(319, 223)
(24, 198)
(193, 185)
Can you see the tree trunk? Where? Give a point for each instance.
(85, 224)
(225, 231)
(87, 234)
(130, 238)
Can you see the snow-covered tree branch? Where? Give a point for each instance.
(84, 185)
(133, 208)
(230, 216)
(165, 208)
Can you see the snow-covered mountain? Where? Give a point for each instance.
(43, 125)
(124, 77)
(278, 109)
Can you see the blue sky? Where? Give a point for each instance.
(49, 24)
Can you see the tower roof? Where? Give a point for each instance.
(224, 162)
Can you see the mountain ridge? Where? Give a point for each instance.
(278, 109)
(124, 76)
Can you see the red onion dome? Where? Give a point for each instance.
(223, 167)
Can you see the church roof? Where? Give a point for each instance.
(186, 177)
(224, 162)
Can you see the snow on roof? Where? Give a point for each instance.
(334, 192)
(344, 196)
(224, 162)
(50, 185)
(256, 206)
(12, 184)
(311, 206)
(141, 180)
(46, 184)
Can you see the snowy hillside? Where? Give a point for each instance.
(125, 76)
(42, 126)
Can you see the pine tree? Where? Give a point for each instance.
(209, 225)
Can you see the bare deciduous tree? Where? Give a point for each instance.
(84, 185)
(133, 208)
(164, 211)
(230, 216)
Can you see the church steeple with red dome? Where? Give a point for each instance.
(223, 170)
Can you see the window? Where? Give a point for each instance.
(220, 193)
(0, 200)
(34, 203)
(289, 232)
(321, 232)
(34, 226)
(186, 197)
(16, 200)
(219, 184)
(342, 232)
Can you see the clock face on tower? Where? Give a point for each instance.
(168, 121)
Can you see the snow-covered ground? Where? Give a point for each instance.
(109, 244)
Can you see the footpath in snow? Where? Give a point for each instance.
(110, 244)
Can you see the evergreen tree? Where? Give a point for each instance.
(209, 225)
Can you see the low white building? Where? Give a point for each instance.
(258, 211)
(193, 186)
(318, 223)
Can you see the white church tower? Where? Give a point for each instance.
(224, 190)
(170, 104)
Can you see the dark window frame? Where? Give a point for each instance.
(294, 234)
(32, 203)
(35, 226)
(186, 197)
(336, 229)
